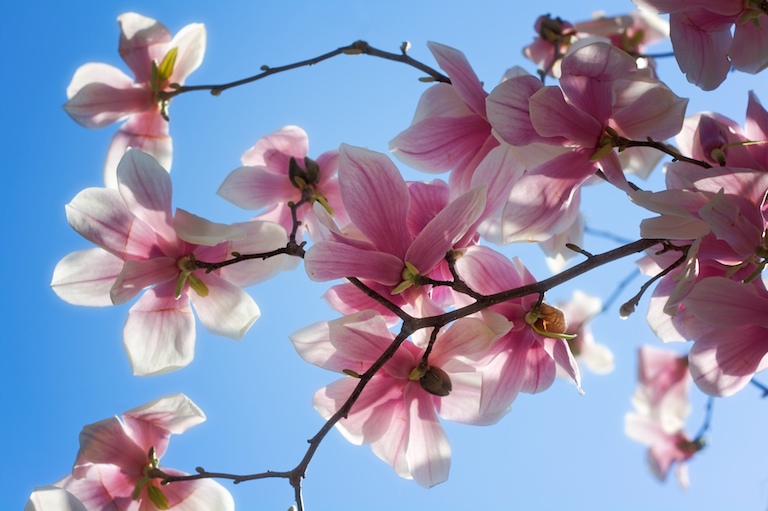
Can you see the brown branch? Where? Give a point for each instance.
(410, 325)
(356, 48)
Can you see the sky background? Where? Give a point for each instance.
(63, 366)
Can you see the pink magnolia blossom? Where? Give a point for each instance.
(450, 129)
(601, 89)
(527, 357)
(701, 36)
(382, 248)
(143, 244)
(117, 467)
(631, 33)
(661, 407)
(729, 328)
(275, 171)
(397, 412)
(100, 94)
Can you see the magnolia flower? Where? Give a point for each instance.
(526, 358)
(275, 171)
(450, 129)
(100, 94)
(730, 324)
(701, 37)
(397, 412)
(143, 244)
(602, 95)
(118, 465)
(385, 250)
(661, 407)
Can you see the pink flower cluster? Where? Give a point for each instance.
(716, 297)
(661, 407)
(118, 467)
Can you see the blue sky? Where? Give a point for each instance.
(64, 366)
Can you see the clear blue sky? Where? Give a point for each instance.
(64, 366)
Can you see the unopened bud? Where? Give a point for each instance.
(436, 382)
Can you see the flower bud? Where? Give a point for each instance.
(436, 382)
(551, 320)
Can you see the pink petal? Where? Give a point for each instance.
(141, 41)
(347, 299)
(727, 304)
(365, 337)
(313, 344)
(552, 116)
(146, 189)
(199, 231)
(756, 127)
(104, 487)
(100, 94)
(749, 50)
(190, 41)
(106, 442)
(138, 275)
(730, 225)
(255, 187)
(588, 75)
(371, 414)
(439, 235)
(700, 53)
(146, 132)
(174, 413)
(227, 310)
(427, 200)
(428, 452)
(85, 277)
(645, 108)
(438, 144)
(463, 403)
(486, 271)
(545, 201)
(159, 334)
(329, 260)
(509, 111)
(376, 198)
(723, 363)
(276, 149)
(463, 78)
(101, 216)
